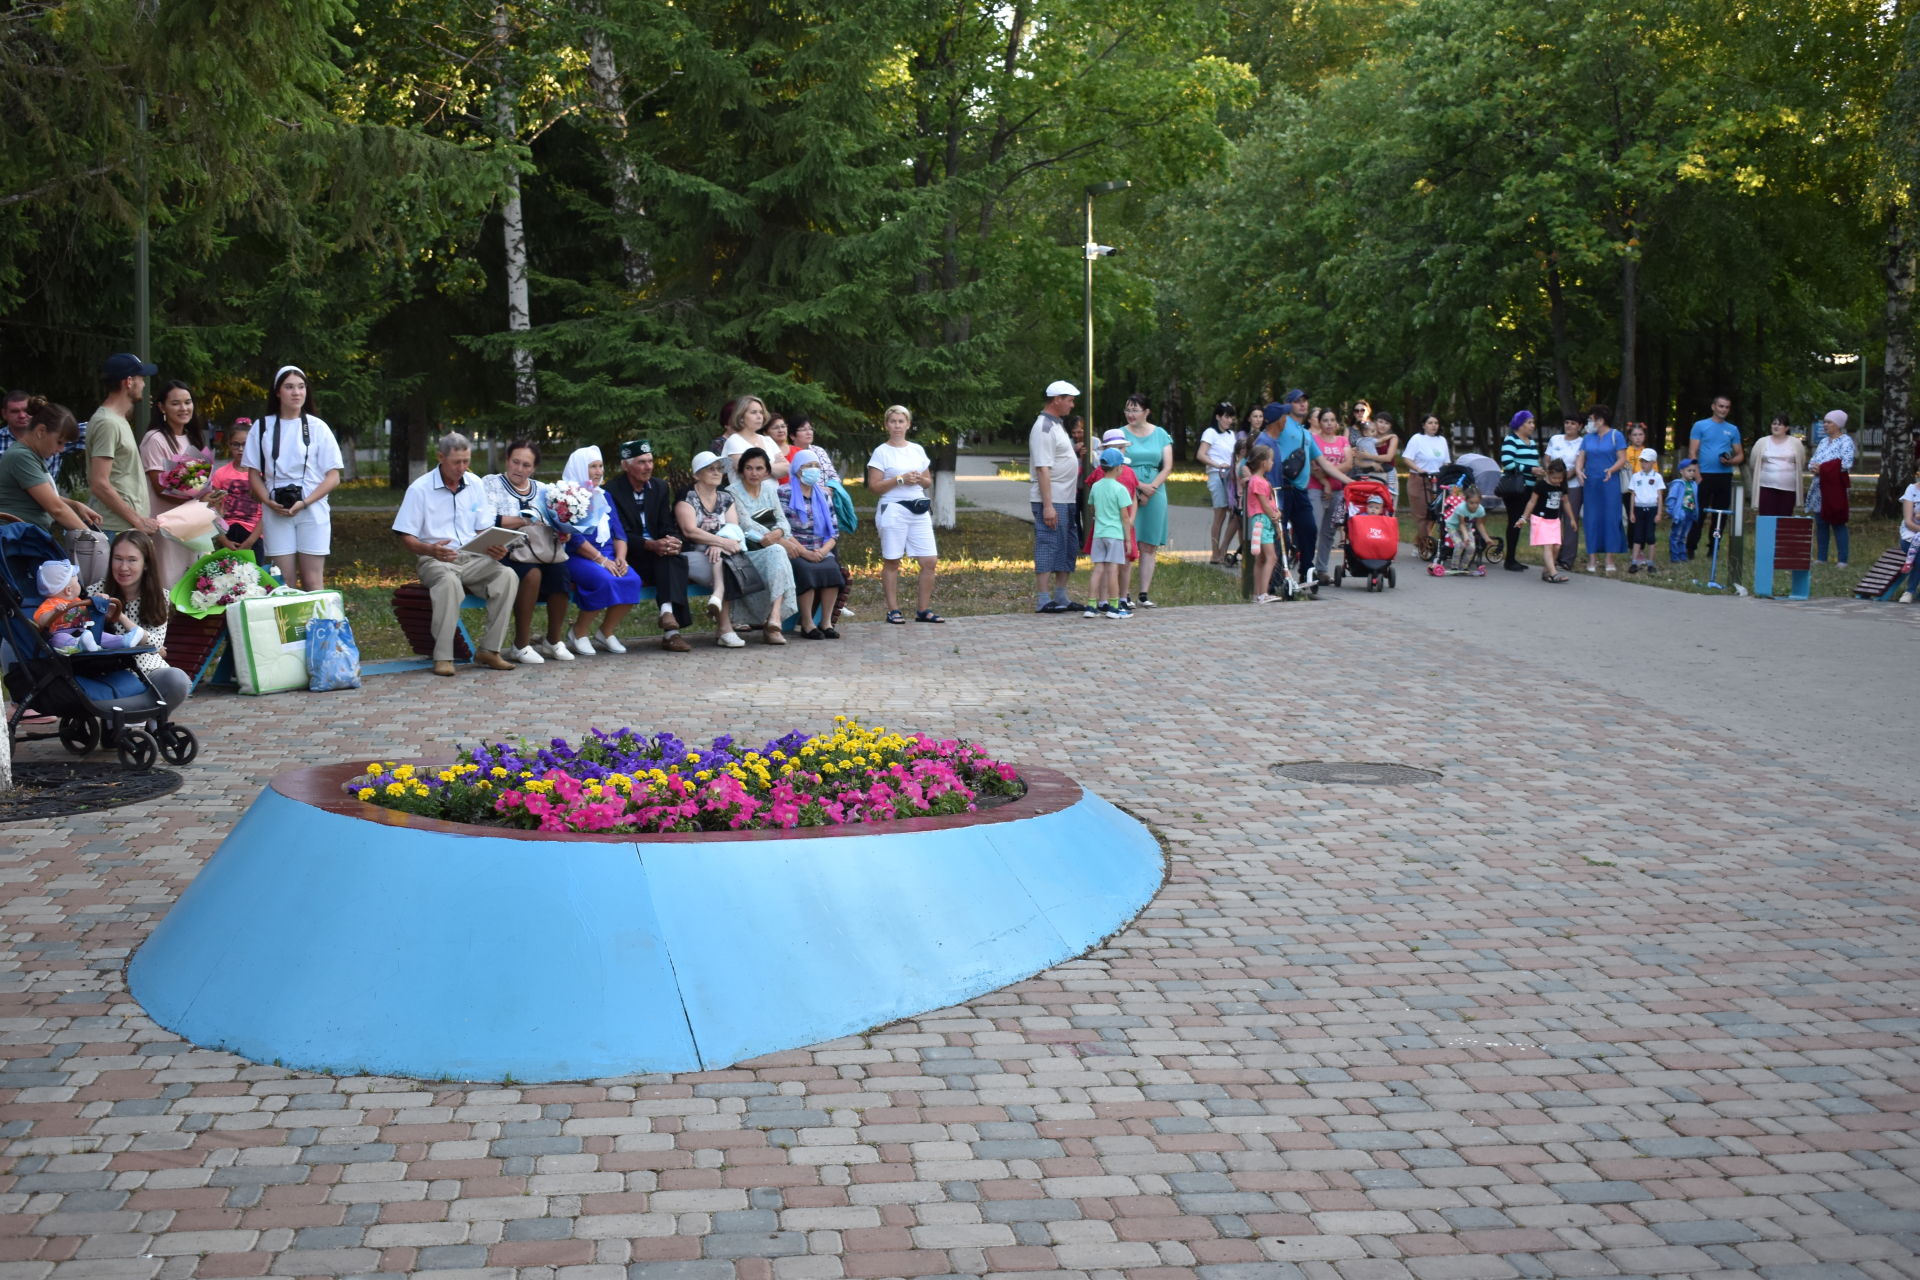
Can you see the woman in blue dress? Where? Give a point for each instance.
(1150, 454)
(597, 563)
(1603, 455)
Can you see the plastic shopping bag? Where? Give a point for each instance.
(333, 659)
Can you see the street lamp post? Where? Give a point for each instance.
(1090, 251)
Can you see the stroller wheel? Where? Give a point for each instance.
(1338, 574)
(1390, 580)
(137, 748)
(79, 734)
(177, 743)
(1373, 583)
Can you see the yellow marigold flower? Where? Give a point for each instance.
(374, 770)
(839, 719)
(395, 788)
(498, 772)
(366, 793)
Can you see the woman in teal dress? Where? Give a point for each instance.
(1150, 454)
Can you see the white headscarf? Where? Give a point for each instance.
(576, 470)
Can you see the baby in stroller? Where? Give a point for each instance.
(73, 623)
(97, 692)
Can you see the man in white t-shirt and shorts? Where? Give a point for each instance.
(1053, 494)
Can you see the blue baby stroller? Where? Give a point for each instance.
(101, 699)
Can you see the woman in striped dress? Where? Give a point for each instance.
(1519, 455)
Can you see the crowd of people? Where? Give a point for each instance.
(756, 530)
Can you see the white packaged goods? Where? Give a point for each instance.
(269, 635)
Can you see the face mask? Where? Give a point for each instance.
(810, 476)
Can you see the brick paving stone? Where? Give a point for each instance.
(1663, 1025)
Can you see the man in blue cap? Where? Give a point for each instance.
(1296, 456)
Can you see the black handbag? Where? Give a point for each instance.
(742, 574)
(1513, 484)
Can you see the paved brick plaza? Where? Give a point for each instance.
(1621, 996)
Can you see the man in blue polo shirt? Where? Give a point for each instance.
(1715, 444)
(1296, 456)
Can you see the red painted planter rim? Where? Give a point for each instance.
(324, 787)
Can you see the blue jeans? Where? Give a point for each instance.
(1298, 510)
(1820, 528)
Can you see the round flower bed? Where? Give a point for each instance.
(632, 904)
(626, 782)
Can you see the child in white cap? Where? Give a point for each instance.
(1645, 487)
(72, 622)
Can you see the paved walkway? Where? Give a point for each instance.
(1631, 992)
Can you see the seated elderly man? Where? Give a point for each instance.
(645, 506)
(443, 511)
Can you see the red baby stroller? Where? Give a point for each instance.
(1373, 538)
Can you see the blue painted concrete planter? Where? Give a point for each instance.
(331, 934)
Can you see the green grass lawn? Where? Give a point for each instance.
(986, 567)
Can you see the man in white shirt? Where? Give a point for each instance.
(443, 511)
(1054, 495)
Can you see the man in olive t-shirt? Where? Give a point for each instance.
(114, 473)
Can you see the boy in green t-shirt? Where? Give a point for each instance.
(1112, 529)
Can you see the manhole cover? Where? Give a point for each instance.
(59, 789)
(1354, 773)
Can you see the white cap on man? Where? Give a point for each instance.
(1061, 388)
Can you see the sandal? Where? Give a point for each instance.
(1558, 577)
(895, 616)
(928, 615)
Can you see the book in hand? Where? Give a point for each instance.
(487, 539)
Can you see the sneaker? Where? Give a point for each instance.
(1120, 615)
(1906, 597)
(582, 646)
(1046, 606)
(1633, 568)
(1264, 598)
(525, 656)
(729, 640)
(1091, 611)
(1126, 603)
(1515, 567)
(846, 611)
(1146, 603)
(608, 644)
(554, 652)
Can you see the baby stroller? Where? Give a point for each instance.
(101, 699)
(1372, 540)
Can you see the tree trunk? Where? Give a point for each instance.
(603, 73)
(1557, 324)
(1623, 400)
(514, 232)
(946, 504)
(1900, 268)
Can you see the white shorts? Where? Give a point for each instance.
(310, 533)
(904, 534)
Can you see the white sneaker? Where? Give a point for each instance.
(846, 611)
(1906, 597)
(728, 640)
(554, 652)
(526, 657)
(609, 644)
(582, 646)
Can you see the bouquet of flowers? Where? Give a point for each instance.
(189, 474)
(572, 508)
(220, 579)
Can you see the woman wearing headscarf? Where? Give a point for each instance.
(1827, 496)
(603, 581)
(816, 570)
